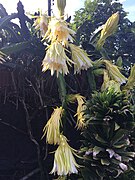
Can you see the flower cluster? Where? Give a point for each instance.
(58, 30)
(56, 59)
(60, 36)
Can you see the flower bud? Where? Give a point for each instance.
(114, 72)
(61, 4)
(131, 80)
(108, 29)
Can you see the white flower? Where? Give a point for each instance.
(52, 128)
(80, 58)
(58, 30)
(56, 59)
(111, 152)
(41, 23)
(64, 161)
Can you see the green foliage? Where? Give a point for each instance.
(93, 15)
(107, 138)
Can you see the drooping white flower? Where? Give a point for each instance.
(64, 161)
(58, 30)
(56, 59)
(80, 58)
(41, 23)
(52, 128)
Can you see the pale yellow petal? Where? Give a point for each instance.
(52, 128)
(64, 161)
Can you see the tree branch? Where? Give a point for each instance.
(13, 127)
(30, 174)
(33, 140)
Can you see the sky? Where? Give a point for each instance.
(72, 5)
(129, 6)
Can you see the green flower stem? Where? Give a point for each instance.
(62, 89)
(91, 80)
(62, 95)
(104, 54)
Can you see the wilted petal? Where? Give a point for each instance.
(52, 128)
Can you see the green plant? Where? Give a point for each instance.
(107, 138)
(93, 15)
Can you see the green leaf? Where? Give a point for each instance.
(6, 19)
(116, 126)
(105, 162)
(100, 173)
(118, 136)
(88, 174)
(15, 47)
(119, 61)
(98, 71)
(98, 138)
(96, 150)
(9, 65)
(130, 154)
